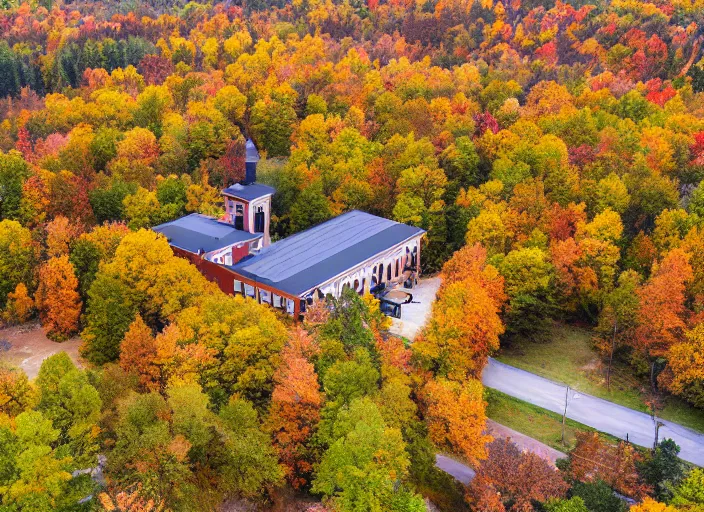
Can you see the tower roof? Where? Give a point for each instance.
(248, 192)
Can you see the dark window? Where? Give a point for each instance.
(388, 273)
(259, 220)
(239, 217)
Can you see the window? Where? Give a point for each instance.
(259, 220)
(239, 216)
(388, 273)
(238, 286)
(290, 306)
(265, 296)
(276, 301)
(396, 270)
(249, 290)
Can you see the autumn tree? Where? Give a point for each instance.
(528, 276)
(594, 459)
(57, 298)
(456, 417)
(650, 505)
(60, 233)
(16, 393)
(20, 306)
(684, 373)
(295, 409)
(512, 480)
(463, 331)
(661, 315)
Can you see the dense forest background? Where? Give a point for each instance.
(553, 151)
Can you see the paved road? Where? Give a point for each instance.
(455, 469)
(600, 414)
(465, 474)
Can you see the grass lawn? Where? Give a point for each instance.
(531, 420)
(569, 358)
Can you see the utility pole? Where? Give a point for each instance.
(658, 424)
(564, 414)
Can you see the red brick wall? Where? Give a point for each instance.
(225, 278)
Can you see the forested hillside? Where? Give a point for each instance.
(553, 151)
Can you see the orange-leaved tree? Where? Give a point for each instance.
(661, 315)
(294, 413)
(20, 305)
(456, 416)
(464, 326)
(57, 299)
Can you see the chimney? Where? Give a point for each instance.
(251, 159)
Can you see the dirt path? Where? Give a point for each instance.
(26, 346)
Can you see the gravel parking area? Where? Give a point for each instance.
(415, 314)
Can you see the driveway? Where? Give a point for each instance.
(600, 414)
(415, 314)
(27, 347)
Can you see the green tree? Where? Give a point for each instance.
(18, 254)
(689, 495)
(310, 208)
(73, 406)
(528, 277)
(85, 257)
(252, 463)
(35, 475)
(13, 171)
(574, 504)
(598, 496)
(108, 203)
(110, 311)
(366, 466)
(663, 470)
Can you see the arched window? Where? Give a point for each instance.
(388, 273)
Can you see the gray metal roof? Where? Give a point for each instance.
(310, 258)
(196, 232)
(249, 192)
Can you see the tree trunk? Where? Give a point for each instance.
(695, 52)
